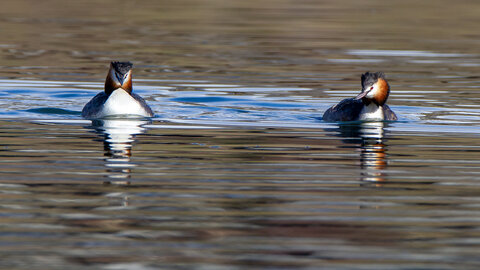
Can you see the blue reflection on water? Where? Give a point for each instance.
(215, 104)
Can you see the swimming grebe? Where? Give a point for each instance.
(117, 99)
(368, 105)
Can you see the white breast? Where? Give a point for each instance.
(372, 112)
(120, 102)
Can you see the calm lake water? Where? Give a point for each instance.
(237, 170)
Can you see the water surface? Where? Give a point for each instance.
(237, 170)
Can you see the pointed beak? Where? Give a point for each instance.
(362, 94)
(116, 80)
(120, 78)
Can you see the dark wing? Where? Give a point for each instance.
(93, 107)
(143, 103)
(347, 110)
(388, 113)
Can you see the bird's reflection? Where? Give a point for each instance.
(373, 151)
(118, 137)
(371, 137)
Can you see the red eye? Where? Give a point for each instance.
(371, 88)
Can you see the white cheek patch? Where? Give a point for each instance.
(373, 92)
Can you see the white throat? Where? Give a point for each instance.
(372, 112)
(120, 102)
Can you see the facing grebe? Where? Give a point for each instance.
(117, 99)
(368, 105)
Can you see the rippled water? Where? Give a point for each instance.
(237, 170)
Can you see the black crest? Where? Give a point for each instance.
(369, 78)
(122, 67)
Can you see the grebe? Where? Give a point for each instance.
(368, 105)
(117, 99)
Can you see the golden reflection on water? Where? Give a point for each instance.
(373, 151)
(370, 136)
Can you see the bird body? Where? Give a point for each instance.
(117, 98)
(368, 105)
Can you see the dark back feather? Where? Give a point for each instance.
(388, 113)
(347, 110)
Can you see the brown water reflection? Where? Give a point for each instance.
(243, 198)
(301, 43)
